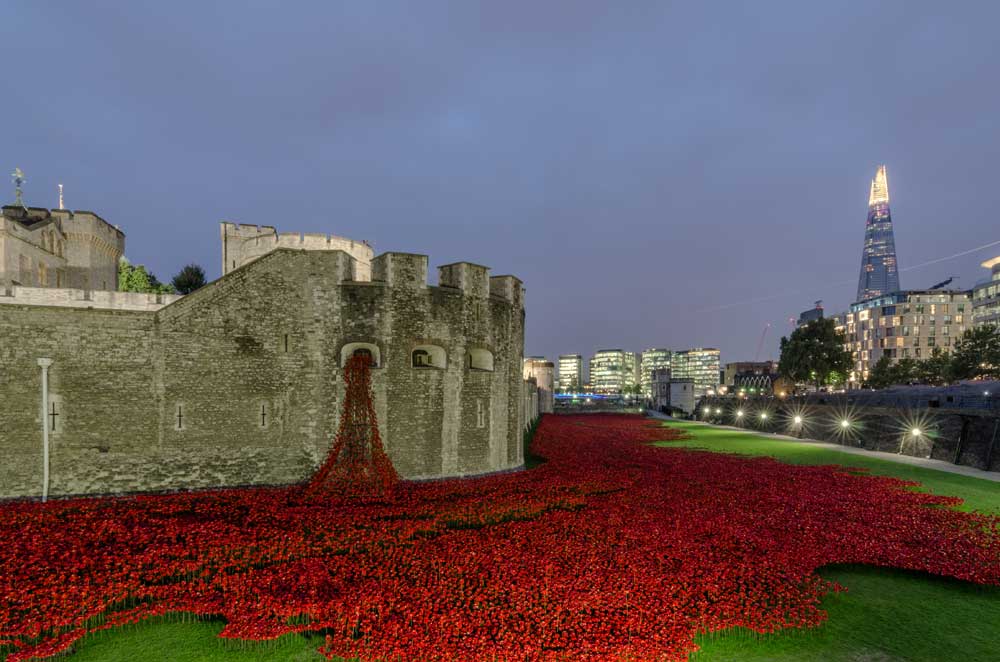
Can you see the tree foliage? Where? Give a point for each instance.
(977, 354)
(189, 279)
(135, 278)
(814, 353)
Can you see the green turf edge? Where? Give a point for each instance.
(979, 494)
(887, 614)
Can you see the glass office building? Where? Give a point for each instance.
(570, 373)
(612, 370)
(652, 359)
(701, 365)
(879, 272)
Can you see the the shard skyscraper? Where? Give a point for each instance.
(879, 272)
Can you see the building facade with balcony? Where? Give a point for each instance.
(986, 296)
(906, 324)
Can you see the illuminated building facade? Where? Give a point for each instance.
(612, 370)
(908, 324)
(879, 271)
(743, 368)
(700, 365)
(986, 296)
(570, 373)
(652, 359)
(811, 315)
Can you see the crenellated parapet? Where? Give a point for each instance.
(243, 243)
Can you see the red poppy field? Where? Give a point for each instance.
(612, 549)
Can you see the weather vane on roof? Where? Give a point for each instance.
(18, 178)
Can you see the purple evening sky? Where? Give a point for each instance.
(637, 164)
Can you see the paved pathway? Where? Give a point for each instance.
(939, 465)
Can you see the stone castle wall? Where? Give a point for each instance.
(241, 381)
(241, 244)
(73, 298)
(59, 248)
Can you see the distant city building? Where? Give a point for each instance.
(652, 359)
(986, 296)
(733, 370)
(879, 271)
(701, 365)
(570, 372)
(811, 315)
(612, 370)
(543, 372)
(769, 383)
(907, 324)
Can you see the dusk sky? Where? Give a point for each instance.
(640, 166)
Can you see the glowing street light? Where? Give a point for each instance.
(798, 420)
(916, 432)
(718, 411)
(739, 413)
(763, 416)
(845, 424)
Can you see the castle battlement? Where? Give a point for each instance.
(68, 297)
(242, 243)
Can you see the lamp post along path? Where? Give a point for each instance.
(44, 364)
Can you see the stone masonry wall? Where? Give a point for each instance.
(241, 383)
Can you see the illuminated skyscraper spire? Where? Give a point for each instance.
(879, 272)
(880, 188)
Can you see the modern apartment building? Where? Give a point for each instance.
(907, 324)
(611, 370)
(986, 296)
(570, 373)
(700, 365)
(652, 359)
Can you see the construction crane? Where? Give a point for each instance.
(942, 283)
(760, 343)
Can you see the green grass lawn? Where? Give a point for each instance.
(886, 615)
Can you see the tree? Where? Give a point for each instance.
(189, 279)
(935, 369)
(977, 354)
(883, 373)
(814, 353)
(137, 279)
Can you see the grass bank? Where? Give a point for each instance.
(887, 615)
